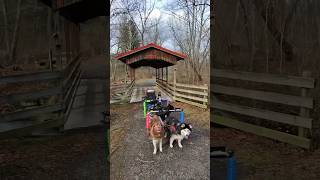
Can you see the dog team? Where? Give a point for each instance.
(169, 128)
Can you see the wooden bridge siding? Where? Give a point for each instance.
(51, 115)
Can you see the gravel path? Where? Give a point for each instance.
(138, 162)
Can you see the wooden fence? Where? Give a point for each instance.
(40, 109)
(300, 119)
(196, 95)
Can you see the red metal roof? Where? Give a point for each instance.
(178, 54)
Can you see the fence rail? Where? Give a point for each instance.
(130, 88)
(196, 95)
(305, 82)
(56, 100)
(301, 119)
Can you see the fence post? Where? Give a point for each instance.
(204, 96)
(304, 112)
(174, 83)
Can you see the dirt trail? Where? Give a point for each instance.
(134, 160)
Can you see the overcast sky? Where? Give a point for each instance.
(159, 11)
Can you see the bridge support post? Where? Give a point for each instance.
(162, 74)
(134, 74)
(174, 83)
(167, 75)
(126, 74)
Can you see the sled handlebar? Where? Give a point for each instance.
(155, 111)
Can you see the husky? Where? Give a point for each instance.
(156, 132)
(183, 132)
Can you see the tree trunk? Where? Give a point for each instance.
(253, 47)
(49, 27)
(266, 37)
(5, 24)
(15, 34)
(286, 46)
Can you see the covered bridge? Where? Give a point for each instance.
(151, 55)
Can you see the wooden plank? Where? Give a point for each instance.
(261, 131)
(30, 112)
(170, 87)
(164, 88)
(192, 92)
(70, 74)
(192, 86)
(265, 78)
(167, 86)
(165, 93)
(71, 63)
(191, 97)
(68, 83)
(168, 91)
(190, 102)
(75, 80)
(70, 104)
(264, 114)
(265, 96)
(130, 88)
(40, 76)
(13, 98)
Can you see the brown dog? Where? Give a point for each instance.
(156, 132)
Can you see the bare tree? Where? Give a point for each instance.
(139, 12)
(194, 39)
(11, 46)
(281, 38)
(5, 22)
(15, 33)
(155, 32)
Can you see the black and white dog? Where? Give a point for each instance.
(183, 131)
